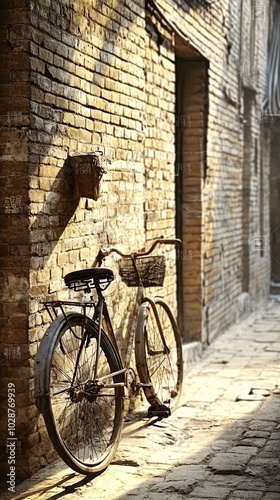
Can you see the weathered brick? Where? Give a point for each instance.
(94, 78)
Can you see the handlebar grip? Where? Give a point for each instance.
(104, 252)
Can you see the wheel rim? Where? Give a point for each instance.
(164, 366)
(85, 419)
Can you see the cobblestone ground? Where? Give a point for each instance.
(223, 443)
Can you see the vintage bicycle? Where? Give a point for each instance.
(81, 381)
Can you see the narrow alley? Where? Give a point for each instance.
(222, 443)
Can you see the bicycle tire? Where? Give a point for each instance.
(162, 371)
(85, 431)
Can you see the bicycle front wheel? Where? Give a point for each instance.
(159, 362)
(83, 414)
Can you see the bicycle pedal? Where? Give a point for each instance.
(144, 385)
(161, 411)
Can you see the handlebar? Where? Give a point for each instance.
(104, 252)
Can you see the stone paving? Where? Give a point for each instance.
(223, 442)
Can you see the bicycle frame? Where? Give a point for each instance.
(102, 314)
(140, 298)
(104, 319)
(80, 381)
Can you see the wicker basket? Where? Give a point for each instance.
(87, 174)
(151, 270)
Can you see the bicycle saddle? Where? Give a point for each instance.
(85, 279)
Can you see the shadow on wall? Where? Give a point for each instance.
(78, 53)
(50, 222)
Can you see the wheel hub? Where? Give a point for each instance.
(91, 390)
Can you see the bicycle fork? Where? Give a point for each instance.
(165, 349)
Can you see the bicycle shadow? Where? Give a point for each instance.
(132, 427)
(74, 487)
(69, 489)
(71, 483)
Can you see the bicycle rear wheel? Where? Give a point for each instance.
(83, 417)
(159, 365)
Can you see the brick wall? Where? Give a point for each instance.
(236, 50)
(93, 83)
(14, 221)
(87, 75)
(256, 167)
(76, 78)
(159, 152)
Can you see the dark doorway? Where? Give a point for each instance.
(190, 172)
(274, 212)
(248, 165)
